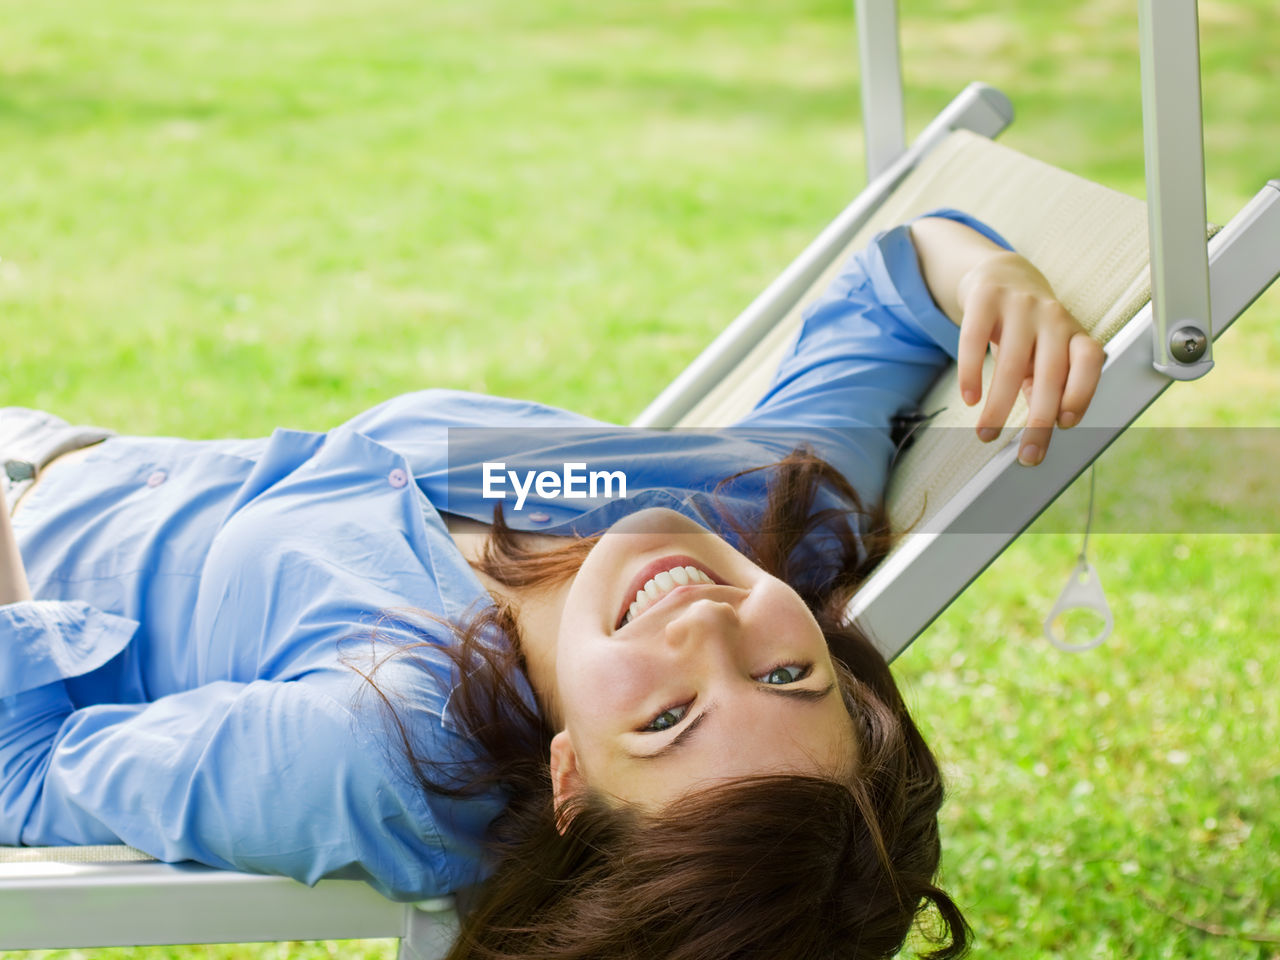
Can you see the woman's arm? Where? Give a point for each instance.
(874, 341)
(13, 576)
(265, 777)
(996, 296)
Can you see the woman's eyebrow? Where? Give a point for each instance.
(777, 690)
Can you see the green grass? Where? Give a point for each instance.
(220, 218)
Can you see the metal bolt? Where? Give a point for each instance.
(1188, 344)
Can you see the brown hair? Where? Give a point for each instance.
(770, 866)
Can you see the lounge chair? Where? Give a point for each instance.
(969, 500)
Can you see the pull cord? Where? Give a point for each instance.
(1083, 591)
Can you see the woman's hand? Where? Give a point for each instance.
(998, 297)
(13, 576)
(1040, 348)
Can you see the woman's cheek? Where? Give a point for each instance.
(782, 613)
(619, 685)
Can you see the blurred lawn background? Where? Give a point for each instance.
(218, 218)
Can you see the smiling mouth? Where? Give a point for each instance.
(658, 579)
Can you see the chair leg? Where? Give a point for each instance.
(428, 933)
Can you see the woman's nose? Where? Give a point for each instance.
(702, 621)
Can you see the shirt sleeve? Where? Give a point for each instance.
(43, 644)
(291, 778)
(867, 350)
(228, 774)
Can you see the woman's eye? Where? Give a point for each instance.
(786, 674)
(666, 719)
(778, 676)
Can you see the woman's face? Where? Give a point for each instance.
(719, 672)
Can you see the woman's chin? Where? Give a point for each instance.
(657, 521)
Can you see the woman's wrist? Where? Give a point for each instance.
(949, 252)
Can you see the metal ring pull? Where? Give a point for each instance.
(1082, 592)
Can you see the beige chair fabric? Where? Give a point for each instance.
(107, 853)
(1089, 241)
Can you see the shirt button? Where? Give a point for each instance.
(157, 478)
(539, 517)
(397, 478)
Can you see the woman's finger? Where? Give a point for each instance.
(1086, 358)
(1046, 394)
(1011, 366)
(980, 318)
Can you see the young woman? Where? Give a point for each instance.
(630, 726)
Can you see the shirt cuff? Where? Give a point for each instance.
(902, 265)
(46, 641)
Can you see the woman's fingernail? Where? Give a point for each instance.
(1068, 419)
(1029, 455)
(970, 397)
(987, 434)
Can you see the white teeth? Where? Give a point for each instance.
(661, 585)
(697, 576)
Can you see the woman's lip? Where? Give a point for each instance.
(651, 570)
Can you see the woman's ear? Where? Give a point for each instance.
(566, 779)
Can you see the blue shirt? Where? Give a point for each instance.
(179, 684)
